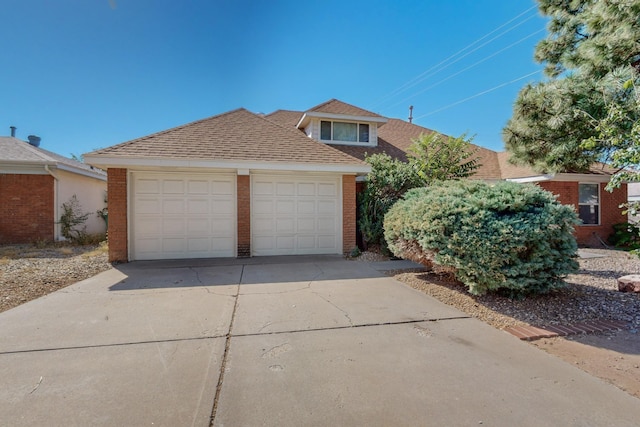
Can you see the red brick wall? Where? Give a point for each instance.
(117, 203)
(348, 213)
(610, 211)
(244, 216)
(26, 208)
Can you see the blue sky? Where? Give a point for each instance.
(88, 74)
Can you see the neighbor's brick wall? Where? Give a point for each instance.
(610, 212)
(26, 208)
(244, 215)
(348, 213)
(117, 203)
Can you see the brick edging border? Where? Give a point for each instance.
(532, 333)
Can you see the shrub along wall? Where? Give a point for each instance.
(504, 236)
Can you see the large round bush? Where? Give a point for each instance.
(503, 236)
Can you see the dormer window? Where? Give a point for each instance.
(344, 131)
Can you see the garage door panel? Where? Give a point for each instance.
(326, 207)
(196, 187)
(306, 189)
(148, 186)
(327, 242)
(223, 207)
(172, 206)
(300, 215)
(173, 227)
(285, 189)
(327, 225)
(183, 215)
(262, 188)
(327, 190)
(306, 207)
(173, 186)
(222, 188)
(306, 225)
(148, 206)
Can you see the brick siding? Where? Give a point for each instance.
(610, 211)
(26, 208)
(348, 213)
(117, 203)
(244, 216)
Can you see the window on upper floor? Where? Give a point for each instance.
(344, 131)
(589, 203)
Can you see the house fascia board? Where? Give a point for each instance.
(564, 177)
(80, 171)
(306, 117)
(104, 162)
(24, 167)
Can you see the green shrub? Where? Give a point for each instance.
(72, 220)
(516, 238)
(625, 236)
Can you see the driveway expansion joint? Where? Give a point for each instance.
(118, 344)
(364, 325)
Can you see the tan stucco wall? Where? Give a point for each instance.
(90, 192)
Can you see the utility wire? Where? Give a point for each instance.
(467, 68)
(477, 95)
(421, 77)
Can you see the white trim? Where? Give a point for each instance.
(538, 178)
(306, 117)
(79, 171)
(105, 162)
(586, 178)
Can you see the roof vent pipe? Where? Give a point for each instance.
(13, 131)
(34, 140)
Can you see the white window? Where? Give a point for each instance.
(589, 203)
(344, 131)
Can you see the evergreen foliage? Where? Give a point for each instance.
(515, 238)
(592, 50)
(432, 157)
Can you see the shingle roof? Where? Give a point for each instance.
(14, 150)
(511, 171)
(285, 117)
(335, 106)
(238, 135)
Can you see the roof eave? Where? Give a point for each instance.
(306, 117)
(105, 162)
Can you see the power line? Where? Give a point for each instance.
(477, 95)
(467, 68)
(420, 77)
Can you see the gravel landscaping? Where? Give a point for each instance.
(591, 294)
(28, 272)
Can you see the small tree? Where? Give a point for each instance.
(436, 157)
(432, 157)
(72, 218)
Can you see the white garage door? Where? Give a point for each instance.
(291, 216)
(183, 215)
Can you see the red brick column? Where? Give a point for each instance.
(26, 208)
(244, 215)
(117, 203)
(348, 213)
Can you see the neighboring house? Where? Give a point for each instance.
(34, 183)
(244, 184)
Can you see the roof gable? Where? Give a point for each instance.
(335, 106)
(235, 136)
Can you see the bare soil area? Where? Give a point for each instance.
(28, 272)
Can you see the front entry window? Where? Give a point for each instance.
(589, 203)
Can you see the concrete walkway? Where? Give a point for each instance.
(287, 341)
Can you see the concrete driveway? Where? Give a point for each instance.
(279, 342)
